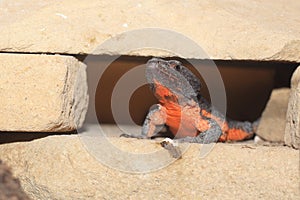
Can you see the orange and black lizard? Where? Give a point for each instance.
(181, 108)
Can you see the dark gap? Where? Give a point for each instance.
(248, 86)
(10, 137)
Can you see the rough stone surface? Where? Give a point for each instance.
(292, 130)
(42, 93)
(59, 167)
(273, 120)
(10, 188)
(256, 30)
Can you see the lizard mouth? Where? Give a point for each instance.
(160, 63)
(166, 74)
(158, 70)
(156, 63)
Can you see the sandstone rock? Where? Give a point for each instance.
(10, 187)
(42, 93)
(292, 130)
(59, 167)
(223, 29)
(273, 121)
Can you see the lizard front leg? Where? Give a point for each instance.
(154, 122)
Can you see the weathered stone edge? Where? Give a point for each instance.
(292, 130)
(75, 98)
(290, 52)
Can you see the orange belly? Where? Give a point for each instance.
(183, 123)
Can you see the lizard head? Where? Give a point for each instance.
(174, 77)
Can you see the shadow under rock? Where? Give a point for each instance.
(10, 137)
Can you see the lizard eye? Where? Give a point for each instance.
(177, 67)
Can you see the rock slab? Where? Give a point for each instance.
(42, 93)
(273, 121)
(292, 130)
(222, 28)
(60, 167)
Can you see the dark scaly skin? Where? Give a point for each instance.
(186, 113)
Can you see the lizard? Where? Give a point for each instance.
(182, 108)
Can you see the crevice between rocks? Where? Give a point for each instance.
(11, 137)
(282, 73)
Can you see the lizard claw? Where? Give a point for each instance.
(167, 141)
(172, 147)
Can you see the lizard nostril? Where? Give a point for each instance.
(152, 63)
